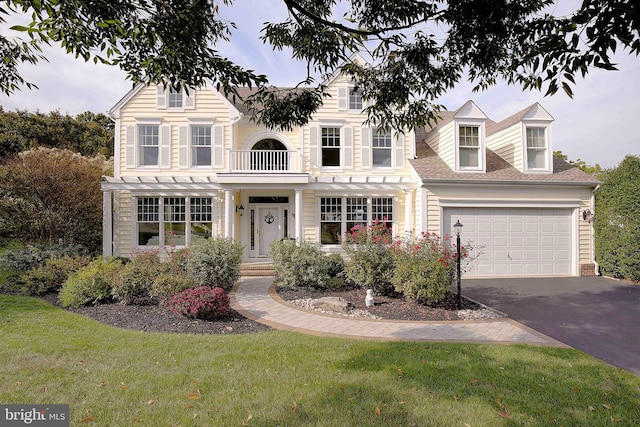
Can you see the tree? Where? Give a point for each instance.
(617, 225)
(88, 133)
(48, 194)
(596, 170)
(417, 49)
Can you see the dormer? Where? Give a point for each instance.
(459, 138)
(524, 140)
(349, 98)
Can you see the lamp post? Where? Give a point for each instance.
(458, 227)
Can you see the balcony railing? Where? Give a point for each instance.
(263, 161)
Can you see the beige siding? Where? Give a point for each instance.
(310, 221)
(443, 143)
(508, 145)
(209, 106)
(123, 227)
(433, 213)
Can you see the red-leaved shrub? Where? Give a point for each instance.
(202, 302)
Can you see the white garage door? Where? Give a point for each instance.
(512, 242)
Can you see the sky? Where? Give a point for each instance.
(597, 125)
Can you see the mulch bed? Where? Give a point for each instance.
(153, 318)
(390, 308)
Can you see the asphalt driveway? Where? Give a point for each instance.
(597, 315)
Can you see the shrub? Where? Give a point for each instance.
(300, 264)
(23, 259)
(51, 276)
(89, 285)
(132, 285)
(166, 285)
(424, 268)
(336, 266)
(202, 302)
(214, 262)
(370, 263)
(39, 203)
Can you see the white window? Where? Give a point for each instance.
(330, 146)
(175, 221)
(178, 228)
(175, 98)
(355, 100)
(340, 215)
(469, 147)
(149, 144)
(536, 148)
(381, 148)
(148, 221)
(201, 218)
(201, 145)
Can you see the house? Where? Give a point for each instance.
(193, 165)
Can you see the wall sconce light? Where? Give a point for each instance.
(241, 209)
(588, 216)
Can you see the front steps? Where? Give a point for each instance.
(264, 268)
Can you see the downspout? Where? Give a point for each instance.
(592, 232)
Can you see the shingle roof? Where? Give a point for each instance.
(430, 167)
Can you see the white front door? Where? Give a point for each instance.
(268, 228)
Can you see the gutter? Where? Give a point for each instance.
(592, 232)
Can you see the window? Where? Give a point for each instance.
(148, 142)
(536, 148)
(175, 98)
(330, 146)
(174, 221)
(358, 211)
(382, 210)
(201, 145)
(355, 99)
(330, 220)
(178, 227)
(381, 147)
(148, 221)
(201, 218)
(469, 147)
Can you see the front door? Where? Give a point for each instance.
(268, 228)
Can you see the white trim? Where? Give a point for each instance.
(482, 147)
(267, 134)
(525, 149)
(509, 203)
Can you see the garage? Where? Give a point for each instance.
(515, 242)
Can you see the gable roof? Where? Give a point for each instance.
(534, 111)
(431, 168)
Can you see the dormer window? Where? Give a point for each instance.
(537, 152)
(469, 147)
(355, 100)
(175, 98)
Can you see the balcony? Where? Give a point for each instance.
(268, 166)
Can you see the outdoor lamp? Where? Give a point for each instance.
(458, 227)
(241, 209)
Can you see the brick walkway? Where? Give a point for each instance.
(254, 297)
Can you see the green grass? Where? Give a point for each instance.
(113, 377)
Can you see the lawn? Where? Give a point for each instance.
(113, 377)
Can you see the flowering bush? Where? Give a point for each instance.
(370, 264)
(202, 302)
(425, 267)
(299, 264)
(214, 262)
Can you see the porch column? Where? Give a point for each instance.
(299, 213)
(228, 213)
(409, 226)
(107, 225)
